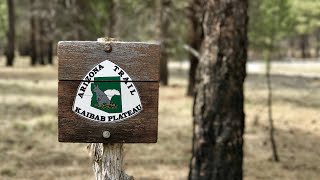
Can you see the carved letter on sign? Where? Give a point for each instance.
(114, 91)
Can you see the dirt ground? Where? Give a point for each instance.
(29, 148)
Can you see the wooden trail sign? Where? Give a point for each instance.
(108, 92)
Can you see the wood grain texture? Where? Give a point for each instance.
(107, 161)
(139, 60)
(141, 128)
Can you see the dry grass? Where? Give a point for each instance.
(30, 150)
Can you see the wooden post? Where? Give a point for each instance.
(107, 159)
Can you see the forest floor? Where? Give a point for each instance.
(29, 148)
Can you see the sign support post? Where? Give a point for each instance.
(107, 159)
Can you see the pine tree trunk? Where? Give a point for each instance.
(41, 43)
(218, 110)
(50, 30)
(163, 37)
(318, 42)
(290, 52)
(304, 44)
(11, 34)
(77, 7)
(50, 52)
(33, 39)
(192, 75)
(112, 20)
(196, 38)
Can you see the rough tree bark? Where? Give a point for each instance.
(196, 37)
(107, 161)
(218, 112)
(163, 33)
(10, 34)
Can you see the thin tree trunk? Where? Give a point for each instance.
(33, 33)
(318, 43)
(11, 33)
(78, 6)
(192, 75)
(41, 42)
(218, 111)
(50, 52)
(304, 44)
(163, 36)
(271, 129)
(112, 20)
(196, 38)
(50, 30)
(290, 51)
(164, 72)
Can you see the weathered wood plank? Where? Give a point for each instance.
(139, 60)
(141, 128)
(107, 161)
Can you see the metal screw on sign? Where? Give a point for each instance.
(107, 48)
(106, 134)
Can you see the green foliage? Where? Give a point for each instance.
(3, 21)
(307, 13)
(97, 20)
(270, 22)
(136, 20)
(179, 30)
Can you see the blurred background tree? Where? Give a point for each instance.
(195, 15)
(307, 25)
(137, 20)
(10, 33)
(270, 23)
(3, 24)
